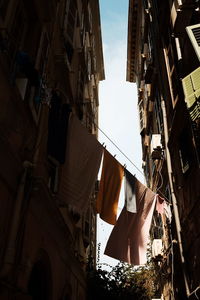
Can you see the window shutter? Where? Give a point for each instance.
(191, 88)
(190, 100)
(70, 21)
(194, 35)
(141, 116)
(187, 86)
(195, 76)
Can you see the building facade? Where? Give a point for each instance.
(51, 62)
(163, 60)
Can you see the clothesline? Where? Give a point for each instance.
(158, 189)
(116, 146)
(83, 156)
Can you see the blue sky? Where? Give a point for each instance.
(114, 16)
(118, 115)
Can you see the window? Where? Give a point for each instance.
(69, 27)
(80, 92)
(3, 8)
(185, 151)
(171, 73)
(57, 128)
(158, 112)
(194, 36)
(16, 36)
(191, 88)
(39, 285)
(53, 176)
(141, 116)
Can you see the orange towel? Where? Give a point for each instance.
(83, 158)
(110, 185)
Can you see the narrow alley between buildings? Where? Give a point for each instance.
(99, 149)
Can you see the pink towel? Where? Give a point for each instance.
(160, 204)
(83, 158)
(129, 237)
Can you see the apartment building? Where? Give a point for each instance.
(51, 62)
(163, 60)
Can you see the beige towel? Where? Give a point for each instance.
(83, 158)
(129, 237)
(110, 185)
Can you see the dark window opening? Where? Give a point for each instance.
(57, 128)
(196, 132)
(38, 287)
(69, 50)
(185, 151)
(3, 8)
(53, 177)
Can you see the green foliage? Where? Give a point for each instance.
(122, 282)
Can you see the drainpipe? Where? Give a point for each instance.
(9, 256)
(174, 201)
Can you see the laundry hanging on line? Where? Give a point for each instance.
(130, 196)
(83, 158)
(160, 205)
(129, 237)
(110, 185)
(163, 207)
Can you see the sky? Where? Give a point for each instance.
(118, 113)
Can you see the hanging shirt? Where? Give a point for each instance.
(130, 197)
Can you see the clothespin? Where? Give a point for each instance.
(115, 155)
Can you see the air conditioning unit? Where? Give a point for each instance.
(156, 146)
(157, 248)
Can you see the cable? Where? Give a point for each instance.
(161, 178)
(116, 146)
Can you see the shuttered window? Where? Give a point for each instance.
(194, 35)
(141, 115)
(191, 88)
(70, 21)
